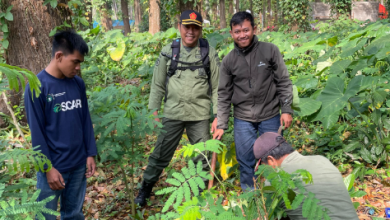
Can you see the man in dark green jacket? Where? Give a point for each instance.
(254, 78)
(189, 93)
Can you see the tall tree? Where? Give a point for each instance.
(237, 5)
(125, 15)
(106, 18)
(29, 41)
(231, 10)
(222, 15)
(215, 10)
(138, 14)
(154, 17)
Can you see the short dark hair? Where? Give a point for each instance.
(278, 152)
(240, 17)
(67, 42)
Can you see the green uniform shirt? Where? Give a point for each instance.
(188, 98)
(328, 186)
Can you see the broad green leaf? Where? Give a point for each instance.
(334, 98)
(340, 66)
(351, 51)
(352, 146)
(5, 44)
(329, 120)
(383, 53)
(84, 21)
(308, 106)
(9, 16)
(307, 82)
(322, 65)
(295, 103)
(349, 181)
(4, 28)
(366, 155)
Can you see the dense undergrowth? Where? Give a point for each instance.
(341, 72)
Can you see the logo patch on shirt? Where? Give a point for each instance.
(51, 97)
(67, 106)
(261, 64)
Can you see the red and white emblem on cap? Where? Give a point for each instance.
(193, 16)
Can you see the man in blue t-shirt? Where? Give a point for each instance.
(61, 126)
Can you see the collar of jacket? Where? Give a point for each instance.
(248, 49)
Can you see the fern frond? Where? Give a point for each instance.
(170, 201)
(194, 187)
(307, 205)
(179, 176)
(190, 210)
(15, 75)
(179, 199)
(184, 182)
(186, 172)
(22, 158)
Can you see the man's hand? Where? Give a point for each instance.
(218, 134)
(55, 180)
(287, 119)
(214, 125)
(91, 167)
(156, 118)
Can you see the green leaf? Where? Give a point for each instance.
(366, 155)
(53, 32)
(4, 28)
(5, 44)
(351, 51)
(322, 65)
(352, 146)
(349, 181)
(84, 21)
(308, 106)
(9, 16)
(358, 194)
(307, 82)
(334, 98)
(329, 120)
(340, 66)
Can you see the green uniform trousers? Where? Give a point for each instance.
(167, 142)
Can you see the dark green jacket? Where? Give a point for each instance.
(188, 98)
(256, 90)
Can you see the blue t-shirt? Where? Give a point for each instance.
(60, 122)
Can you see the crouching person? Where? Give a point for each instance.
(328, 185)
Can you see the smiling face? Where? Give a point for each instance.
(190, 34)
(243, 33)
(69, 65)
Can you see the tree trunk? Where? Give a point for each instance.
(202, 11)
(237, 6)
(29, 41)
(90, 18)
(222, 16)
(231, 10)
(125, 15)
(214, 11)
(138, 15)
(251, 6)
(106, 18)
(154, 17)
(115, 9)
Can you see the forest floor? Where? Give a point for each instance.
(105, 198)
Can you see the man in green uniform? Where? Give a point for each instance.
(328, 185)
(186, 74)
